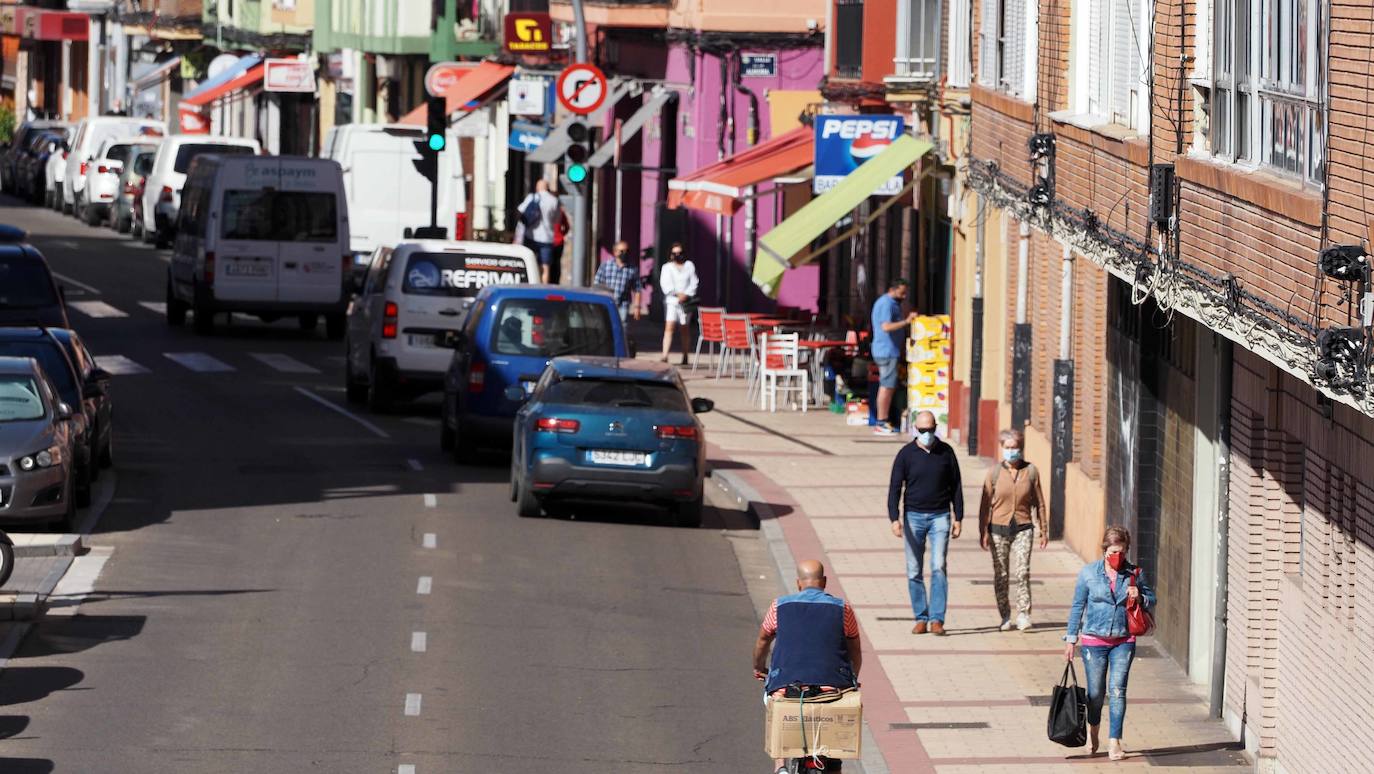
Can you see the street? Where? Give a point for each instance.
(292, 584)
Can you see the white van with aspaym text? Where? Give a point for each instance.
(261, 235)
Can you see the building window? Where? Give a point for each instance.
(918, 40)
(1002, 46)
(1268, 94)
(1112, 76)
(958, 63)
(849, 38)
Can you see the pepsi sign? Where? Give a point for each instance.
(845, 142)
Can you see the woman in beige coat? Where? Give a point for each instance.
(1012, 506)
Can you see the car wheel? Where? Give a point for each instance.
(334, 326)
(176, 310)
(308, 322)
(123, 225)
(526, 504)
(688, 514)
(91, 215)
(354, 390)
(464, 450)
(67, 522)
(6, 562)
(446, 436)
(107, 453)
(94, 466)
(204, 322)
(378, 390)
(83, 487)
(160, 241)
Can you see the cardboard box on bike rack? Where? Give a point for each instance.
(833, 727)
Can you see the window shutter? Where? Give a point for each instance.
(1098, 63)
(1014, 69)
(1128, 33)
(958, 57)
(987, 44)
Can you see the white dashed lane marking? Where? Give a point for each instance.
(419, 641)
(198, 361)
(406, 768)
(412, 705)
(120, 365)
(426, 583)
(377, 431)
(284, 363)
(431, 501)
(96, 309)
(431, 540)
(415, 465)
(157, 307)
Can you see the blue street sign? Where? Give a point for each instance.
(525, 136)
(758, 65)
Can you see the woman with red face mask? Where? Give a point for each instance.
(1097, 622)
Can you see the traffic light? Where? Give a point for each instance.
(437, 137)
(575, 168)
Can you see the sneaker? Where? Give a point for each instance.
(1022, 622)
(1006, 625)
(883, 428)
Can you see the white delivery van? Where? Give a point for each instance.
(388, 190)
(162, 187)
(90, 134)
(261, 235)
(412, 293)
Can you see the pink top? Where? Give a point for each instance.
(1087, 640)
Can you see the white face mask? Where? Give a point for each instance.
(1011, 455)
(926, 437)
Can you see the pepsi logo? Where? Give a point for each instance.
(852, 129)
(866, 147)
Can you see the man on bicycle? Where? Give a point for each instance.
(814, 638)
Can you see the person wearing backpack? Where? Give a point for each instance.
(539, 215)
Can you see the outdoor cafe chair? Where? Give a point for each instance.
(710, 331)
(779, 360)
(738, 343)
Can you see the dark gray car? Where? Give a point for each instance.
(36, 447)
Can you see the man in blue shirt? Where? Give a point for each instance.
(622, 279)
(889, 336)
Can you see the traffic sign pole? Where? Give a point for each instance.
(580, 219)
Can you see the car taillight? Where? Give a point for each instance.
(682, 432)
(166, 195)
(389, 313)
(83, 167)
(477, 376)
(209, 269)
(557, 425)
(65, 155)
(460, 226)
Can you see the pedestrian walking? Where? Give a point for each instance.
(889, 336)
(539, 215)
(678, 283)
(560, 240)
(1097, 622)
(926, 486)
(622, 279)
(1010, 510)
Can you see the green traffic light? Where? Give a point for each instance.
(577, 173)
(436, 142)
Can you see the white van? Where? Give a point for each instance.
(90, 134)
(387, 190)
(162, 187)
(412, 293)
(262, 235)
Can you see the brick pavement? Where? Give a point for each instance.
(971, 701)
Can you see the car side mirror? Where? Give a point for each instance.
(64, 412)
(100, 375)
(702, 405)
(95, 387)
(516, 393)
(449, 339)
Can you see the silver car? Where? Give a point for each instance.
(36, 447)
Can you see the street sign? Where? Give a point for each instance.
(529, 33)
(758, 65)
(525, 136)
(527, 96)
(845, 142)
(442, 75)
(581, 88)
(296, 75)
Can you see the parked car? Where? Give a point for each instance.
(130, 188)
(608, 429)
(511, 334)
(102, 176)
(90, 134)
(163, 183)
(55, 171)
(18, 142)
(43, 346)
(386, 183)
(410, 294)
(30, 167)
(262, 235)
(28, 293)
(98, 404)
(37, 447)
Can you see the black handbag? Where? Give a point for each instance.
(1068, 721)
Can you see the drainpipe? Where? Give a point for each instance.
(1061, 422)
(1223, 517)
(1021, 343)
(975, 377)
(751, 207)
(722, 297)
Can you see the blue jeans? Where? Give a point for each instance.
(919, 526)
(624, 307)
(1097, 661)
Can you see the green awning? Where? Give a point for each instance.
(780, 246)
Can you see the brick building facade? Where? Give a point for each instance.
(1165, 363)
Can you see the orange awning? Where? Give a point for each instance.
(470, 87)
(251, 77)
(718, 187)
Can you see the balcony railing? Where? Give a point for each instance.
(849, 38)
(918, 41)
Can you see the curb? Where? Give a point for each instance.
(66, 545)
(871, 761)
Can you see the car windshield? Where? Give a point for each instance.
(544, 327)
(280, 216)
(187, 152)
(54, 361)
(19, 399)
(25, 284)
(118, 153)
(460, 274)
(617, 393)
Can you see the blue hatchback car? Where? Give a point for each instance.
(609, 429)
(510, 335)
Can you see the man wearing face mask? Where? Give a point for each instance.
(925, 490)
(1011, 508)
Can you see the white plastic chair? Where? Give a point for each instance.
(780, 370)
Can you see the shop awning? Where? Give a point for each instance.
(155, 75)
(470, 87)
(719, 187)
(202, 97)
(245, 63)
(631, 127)
(779, 248)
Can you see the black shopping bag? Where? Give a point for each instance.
(1068, 721)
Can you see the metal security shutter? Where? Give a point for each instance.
(987, 44)
(1014, 47)
(1128, 37)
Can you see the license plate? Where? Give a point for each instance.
(420, 340)
(617, 457)
(248, 268)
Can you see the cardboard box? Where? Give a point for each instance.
(833, 728)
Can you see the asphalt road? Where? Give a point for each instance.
(291, 589)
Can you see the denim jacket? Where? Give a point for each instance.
(1099, 611)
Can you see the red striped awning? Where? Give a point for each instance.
(251, 77)
(719, 187)
(470, 87)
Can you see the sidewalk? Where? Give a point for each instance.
(971, 701)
